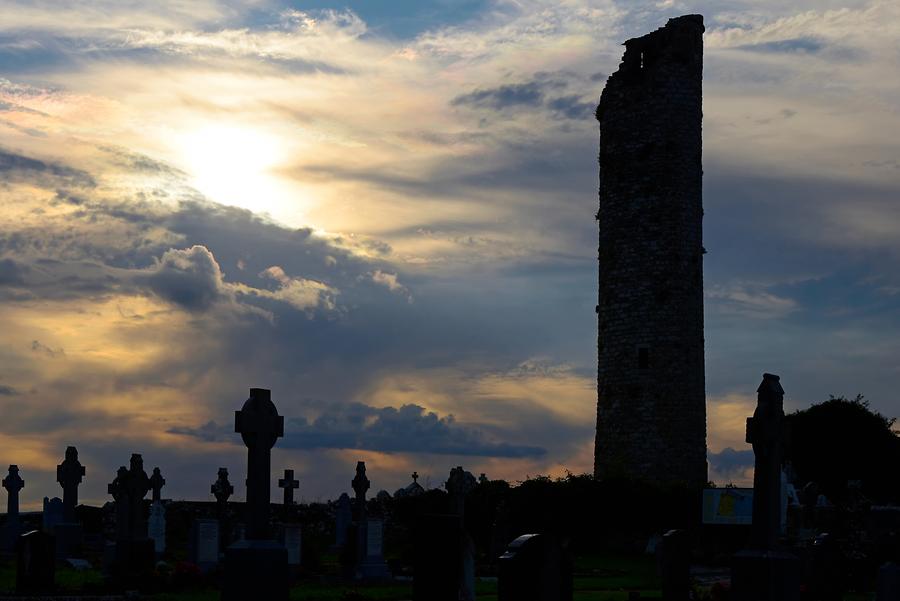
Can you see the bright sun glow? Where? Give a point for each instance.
(235, 166)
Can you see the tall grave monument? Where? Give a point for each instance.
(157, 525)
(133, 551)
(289, 484)
(765, 571)
(257, 568)
(651, 408)
(13, 484)
(69, 533)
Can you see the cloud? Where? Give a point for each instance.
(8, 390)
(407, 429)
(16, 167)
(190, 278)
(505, 96)
(730, 463)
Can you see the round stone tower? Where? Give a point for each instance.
(651, 410)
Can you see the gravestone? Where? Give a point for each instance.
(134, 551)
(13, 484)
(675, 565)
(256, 568)
(289, 484)
(437, 571)
(52, 514)
(373, 566)
(887, 585)
(203, 545)
(828, 569)
(764, 571)
(360, 484)
(36, 563)
(222, 489)
(343, 518)
(292, 537)
(535, 567)
(459, 485)
(156, 527)
(69, 533)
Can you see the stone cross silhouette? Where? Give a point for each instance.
(288, 483)
(415, 477)
(360, 485)
(13, 483)
(119, 491)
(260, 426)
(766, 432)
(69, 474)
(222, 488)
(459, 484)
(156, 483)
(137, 486)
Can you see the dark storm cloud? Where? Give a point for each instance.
(12, 272)
(505, 96)
(803, 45)
(17, 167)
(190, 278)
(729, 462)
(408, 429)
(8, 390)
(541, 92)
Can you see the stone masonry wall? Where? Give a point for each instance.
(651, 410)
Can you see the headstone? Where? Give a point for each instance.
(156, 483)
(52, 514)
(293, 542)
(828, 569)
(36, 563)
(222, 489)
(360, 484)
(343, 517)
(459, 485)
(675, 565)
(289, 484)
(764, 571)
(414, 489)
(534, 567)
(13, 484)
(156, 528)
(887, 586)
(69, 533)
(437, 570)
(134, 553)
(257, 568)
(203, 547)
(69, 474)
(373, 566)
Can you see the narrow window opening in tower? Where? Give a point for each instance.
(643, 357)
(642, 60)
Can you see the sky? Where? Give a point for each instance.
(383, 212)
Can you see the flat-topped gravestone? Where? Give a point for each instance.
(156, 527)
(764, 571)
(535, 567)
(437, 571)
(36, 563)
(292, 537)
(204, 544)
(373, 566)
(52, 514)
(13, 484)
(343, 518)
(257, 568)
(289, 484)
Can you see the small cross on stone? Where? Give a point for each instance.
(13, 483)
(157, 482)
(415, 477)
(288, 483)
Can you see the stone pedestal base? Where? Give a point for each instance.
(765, 576)
(256, 569)
(69, 540)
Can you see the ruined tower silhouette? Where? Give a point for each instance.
(651, 409)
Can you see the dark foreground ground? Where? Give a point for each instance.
(597, 578)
